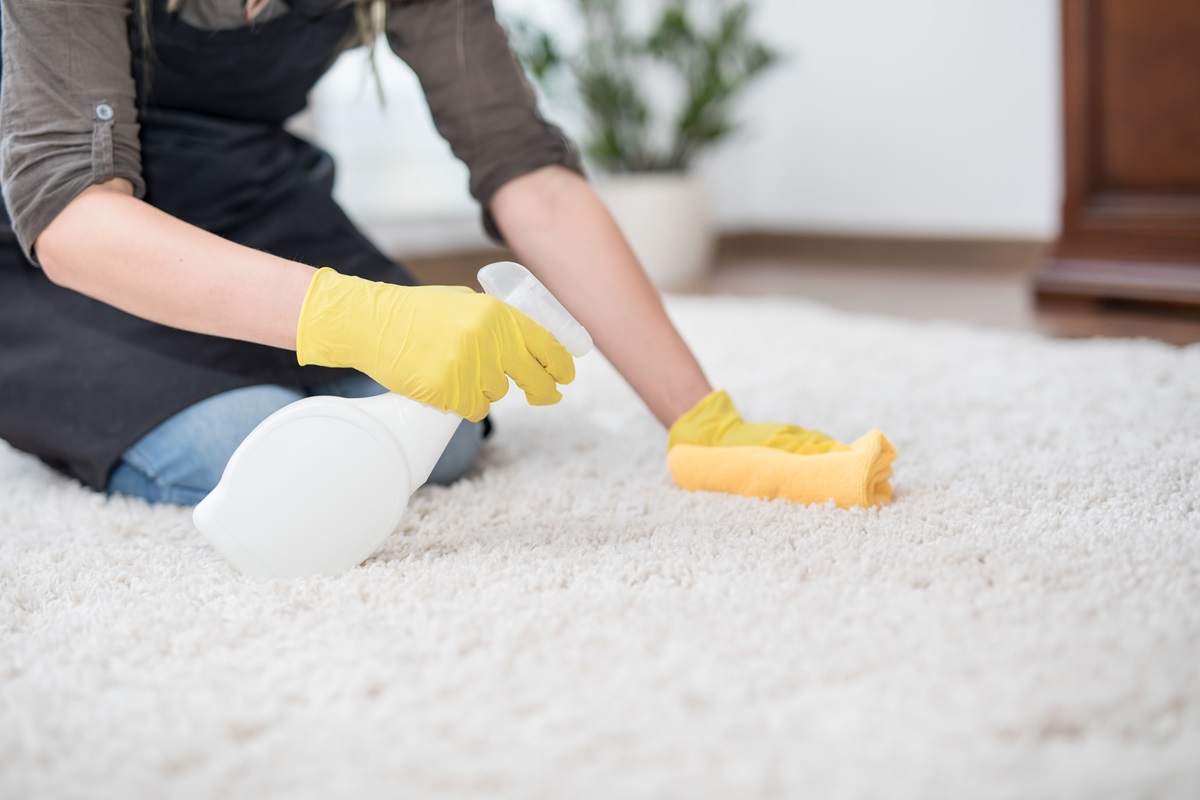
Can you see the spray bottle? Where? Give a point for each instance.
(317, 486)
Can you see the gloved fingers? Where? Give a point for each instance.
(493, 382)
(804, 442)
(475, 408)
(733, 432)
(543, 399)
(540, 389)
(790, 438)
(714, 421)
(547, 350)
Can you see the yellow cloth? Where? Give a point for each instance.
(857, 476)
(445, 346)
(712, 449)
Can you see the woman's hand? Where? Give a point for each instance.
(712, 449)
(714, 422)
(445, 346)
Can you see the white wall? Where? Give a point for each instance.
(395, 176)
(922, 118)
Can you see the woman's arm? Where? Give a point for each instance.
(115, 248)
(423, 342)
(560, 229)
(521, 168)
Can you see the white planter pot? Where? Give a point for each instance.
(666, 219)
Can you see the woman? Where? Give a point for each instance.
(157, 298)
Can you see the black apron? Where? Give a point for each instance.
(81, 381)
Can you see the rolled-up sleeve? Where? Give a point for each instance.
(68, 111)
(477, 92)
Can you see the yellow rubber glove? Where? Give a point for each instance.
(714, 422)
(711, 449)
(445, 346)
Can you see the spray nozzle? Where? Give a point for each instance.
(515, 285)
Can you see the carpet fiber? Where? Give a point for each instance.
(1023, 621)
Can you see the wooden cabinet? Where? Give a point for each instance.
(1131, 213)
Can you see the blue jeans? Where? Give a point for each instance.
(182, 459)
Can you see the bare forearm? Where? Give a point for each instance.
(117, 249)
(558, 227)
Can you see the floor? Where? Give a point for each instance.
(979, 282)
(984, 284)
(995, 297)
(1021, 622)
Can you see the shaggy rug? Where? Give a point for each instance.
(1022, 622)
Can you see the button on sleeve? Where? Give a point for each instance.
(68, 117)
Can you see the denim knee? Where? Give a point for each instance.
(460, 455)
(182, 459)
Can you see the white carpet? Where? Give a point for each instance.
(1023, 622)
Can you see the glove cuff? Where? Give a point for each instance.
(706, 422)
(327, 307)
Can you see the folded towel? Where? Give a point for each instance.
(854, 477)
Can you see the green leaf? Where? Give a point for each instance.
(713, 64)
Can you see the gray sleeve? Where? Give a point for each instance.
(477, 92)
(68, 116)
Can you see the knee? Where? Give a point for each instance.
(182, 460)
(460, 455)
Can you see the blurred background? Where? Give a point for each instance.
(1030, 164)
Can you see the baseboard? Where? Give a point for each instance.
(1081, 278)
(954, 253)
(796, 248)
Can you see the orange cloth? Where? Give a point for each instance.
(857, 476)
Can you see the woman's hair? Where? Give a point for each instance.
(370, 17)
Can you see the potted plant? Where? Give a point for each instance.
(650, 103)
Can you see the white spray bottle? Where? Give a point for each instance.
(318, 485)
